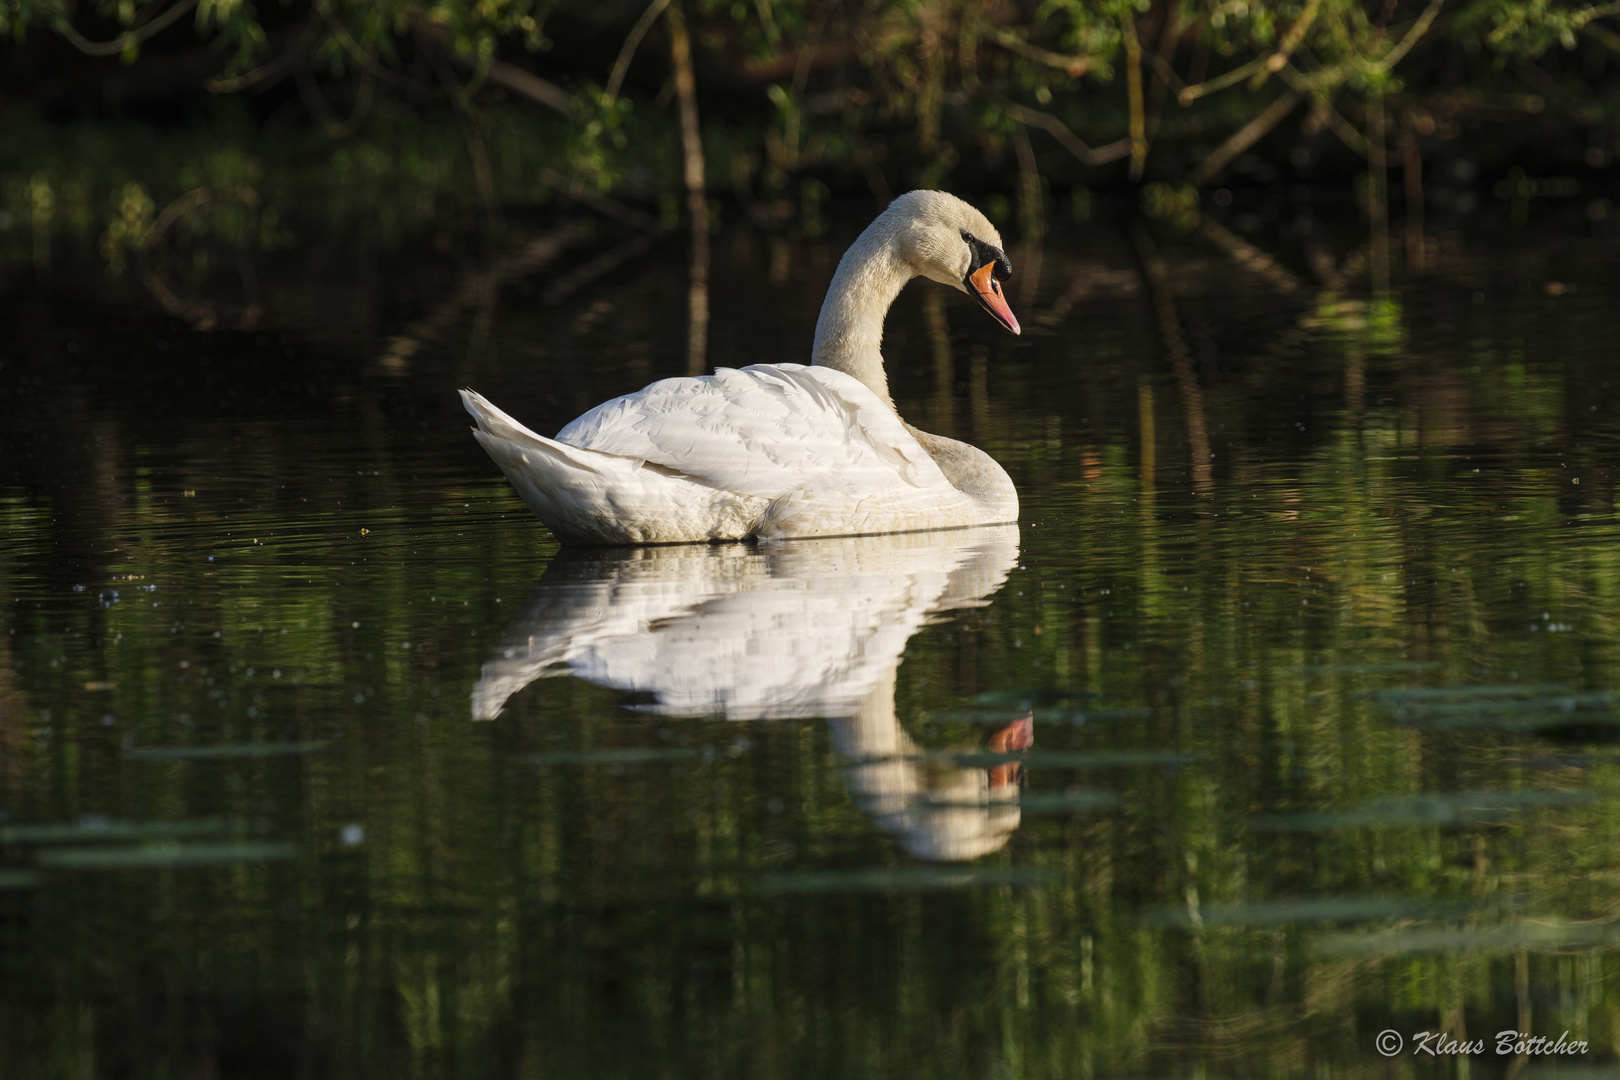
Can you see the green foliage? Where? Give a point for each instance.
(1177, 204)
(1528, 28)
(599, 136)
(901, 93)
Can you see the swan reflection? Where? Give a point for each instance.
(798, 629)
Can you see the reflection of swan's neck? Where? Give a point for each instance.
(849, 334)
(896, 789)
(873, 731)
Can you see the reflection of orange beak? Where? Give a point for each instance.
(988, 291)
(1015, 737)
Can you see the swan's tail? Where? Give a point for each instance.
(594, 497)
(495, 426)
(561, 484)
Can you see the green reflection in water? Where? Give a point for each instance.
(1042, 716)
(904, 879)
(209, 753)
(603, 879)
(626, 756)
(1039, 802)
(1312, 909)
(56, 833)
(1470, 940)
(1452, 808)
(154, 856)
(1058, 759)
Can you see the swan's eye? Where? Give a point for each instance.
(981, 253)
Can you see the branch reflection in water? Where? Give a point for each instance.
(799, 628)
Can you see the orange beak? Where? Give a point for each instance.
(987, 289)
(1015, 737)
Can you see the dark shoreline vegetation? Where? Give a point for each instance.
(194, 143)
(1315, 600)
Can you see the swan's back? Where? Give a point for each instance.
(761, 430)
(764, 451)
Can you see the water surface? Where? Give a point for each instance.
(317, 755)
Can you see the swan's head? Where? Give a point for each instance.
(950, 242)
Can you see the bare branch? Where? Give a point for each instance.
(1164, 73)
(1603, 34)
(1248, 256)
(1325, 112)
(1329, 77)
(1291, 40)
(483, 173)
(126, 39)
(1073, 66)
(476, 285)
(199, 312)
(1157, 280)
(1413, 36)
(1071, 142)
(1190, 94)
(768, 22)
(524, 82)
(632, 42)
(362, 107)
(1245, 137)
(697, 203)
(560, 288)
(1162, 68)
(499, 72)
(264, 71)
(362, 56)
(1347, 133)
(1133, 92)
(602, 204)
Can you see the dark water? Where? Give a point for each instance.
(317, 758)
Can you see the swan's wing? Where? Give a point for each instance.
(763, 430)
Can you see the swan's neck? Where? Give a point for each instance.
(849, 334)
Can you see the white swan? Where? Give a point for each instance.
(780, 450)
(771, 632)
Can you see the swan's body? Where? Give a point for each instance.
(780, 450)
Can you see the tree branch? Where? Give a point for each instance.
(126, 39)
(602, 204)
(511, 76)
(1245, 137)
(1190, 94)
(524, 82)
(1419, 28)
(266, 70)
(631, 43)
(1073, 66)
(1291, 41)
(697, 203)
(1133, 92)
(1325, 112)
(1071, 142)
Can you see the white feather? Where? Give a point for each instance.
(771, 450)
(752, 632)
